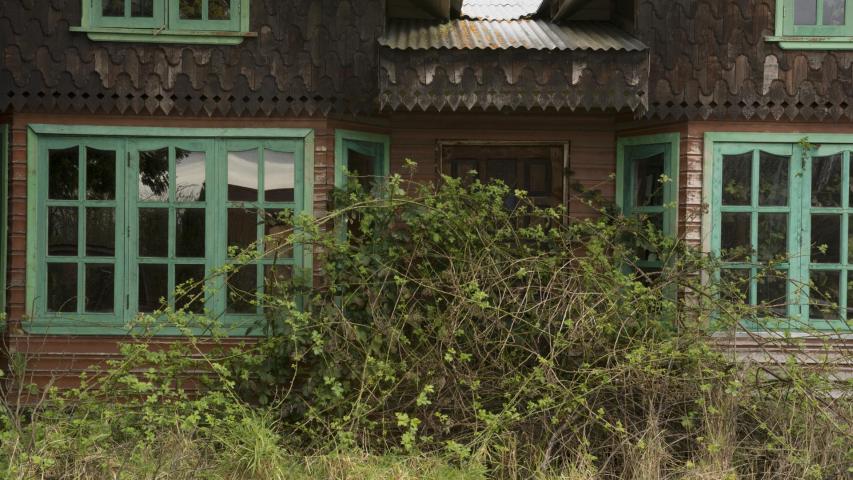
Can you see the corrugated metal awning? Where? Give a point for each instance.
(499, 9)
(403, 34)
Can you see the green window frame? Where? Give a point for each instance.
(827, 24)
(4, 215)
(374, 146)
(784, 200)
(223, 22)
(196, 198)
(659, 155)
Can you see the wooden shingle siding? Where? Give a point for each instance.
(709, 60)
(310, 57)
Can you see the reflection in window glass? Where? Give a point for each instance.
(63, 169)
(826, 181)
(279, 176)
(142, 8)
(833, 12)
(243, 176)
(190, 9)
(100, 232)
(773, 179)
(189, 232)
(100, 174)
(189, 176)
(242, 227)
(153, 232)
(219, 9)
(805, 12)
(772, 236)
(648, 189)
(737, 179)
(153, 286)
(62, 287)
(154, 175)
(62, 231)
(100, 288)
(735, 236)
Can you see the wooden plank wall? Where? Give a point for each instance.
(592, 157)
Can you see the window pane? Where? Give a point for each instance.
(191, 279)
(153, 232)
(153, 286)
(276, 277)
(112, 8)
(833, 12)
(100, 174)
(823, 295)
(538, 180)
(189, 232)
(189, 176)
(100, 288)
(154, 175)
(826, 181)
(737, 179)
(772, 292)
(190, 9)
(826, 239)
(279, 176)
(142, 8)
(62, 287)
(63, 166)
(242, 227)
(735, 285)
(219, 10)
(100, 232)
(655, 220)
(243, 176)
(242, 289)
(805, 12)
(504, 170)
(276, 235)
(773, 179)
(735, 236)
(648, 190)
(772, 236)
(62, 231)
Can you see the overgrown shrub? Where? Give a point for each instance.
(458, 323)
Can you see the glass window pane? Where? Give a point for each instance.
(646, 173)
(505, 170)
(823, 295)
(219, 9)
(190, 9)
(279, 176)
(62, 231)
(734, 285)
(189, 232)
(153, 287)
(773, 179)
(805, 12)
(100, 232)
(243, 176)
(242, 289)
(826, 181)
(100, 174)
(153, 232)
(142, 8)
(772, 236)
(538, 180)
(826, 239)
(100, 288)
(62, 287)
(833, 12)
(772, 294)
(277, 231)
(63, 170)
(276, 277)
(242, 227)
(737, 179)
(112, 8)
(154, 175)
(191, 279)
(189, 176)
(735, 236)
(654, 220)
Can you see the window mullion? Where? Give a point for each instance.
(803, 161)
(845, 229)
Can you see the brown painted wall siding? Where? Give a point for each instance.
(592, 157)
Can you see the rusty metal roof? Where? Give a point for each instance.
(499, 9)
(464, 34)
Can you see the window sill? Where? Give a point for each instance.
(139, 35)
(811, 43)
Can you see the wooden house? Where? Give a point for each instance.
(140, 138)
